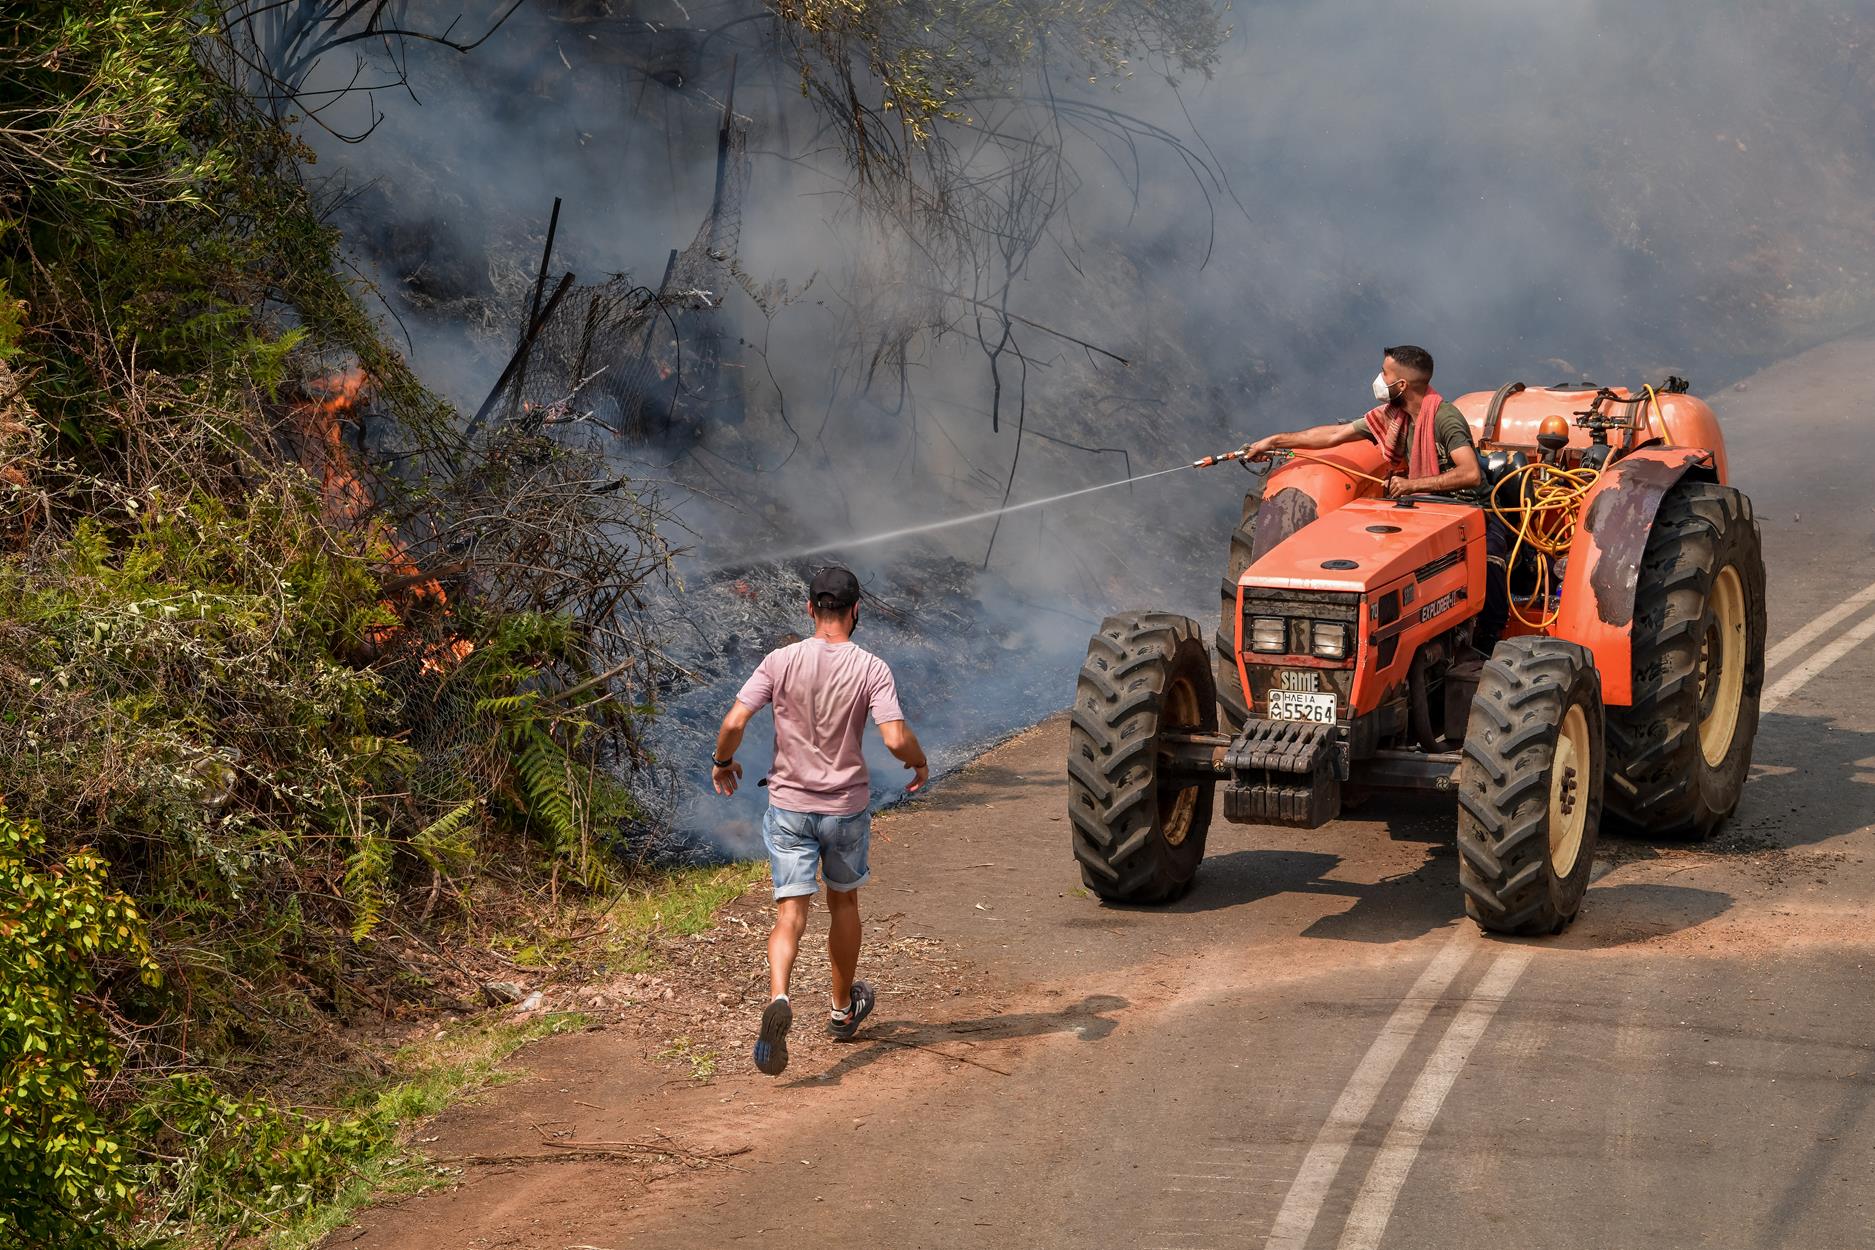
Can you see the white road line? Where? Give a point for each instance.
(1303, 1203)
(1373, 1206)
(1796, 678)
(1802, 637)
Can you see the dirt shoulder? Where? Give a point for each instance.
(659, 1092)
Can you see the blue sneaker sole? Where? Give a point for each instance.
(771, 1045)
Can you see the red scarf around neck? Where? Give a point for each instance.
(1388, 424)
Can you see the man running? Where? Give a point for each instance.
(818, 795)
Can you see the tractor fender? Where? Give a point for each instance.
(1597, 608)
(1303, 490)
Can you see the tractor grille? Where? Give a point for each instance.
(1300, 611)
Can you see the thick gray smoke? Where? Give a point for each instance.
(1544, 192)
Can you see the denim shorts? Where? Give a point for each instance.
(799, 843)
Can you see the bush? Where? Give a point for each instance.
(63, 1166)
(229, 666)
(242, 1164)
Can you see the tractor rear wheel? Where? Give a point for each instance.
(1232, 707)
(1530, 786)
(1139, 832)
(1678, 756)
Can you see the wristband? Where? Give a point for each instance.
(722, 763)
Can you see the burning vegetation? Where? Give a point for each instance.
(320, 421)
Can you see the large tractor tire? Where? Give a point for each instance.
(1530, 786)
(1139, 834)
(1233, 709)
(1678, 757)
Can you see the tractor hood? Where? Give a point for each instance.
(1367, 544)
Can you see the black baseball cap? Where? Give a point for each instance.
(833, 588)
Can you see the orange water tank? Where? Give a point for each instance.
(1677, 420)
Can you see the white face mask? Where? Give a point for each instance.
(1382, 391)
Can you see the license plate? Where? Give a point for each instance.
(1295, 705)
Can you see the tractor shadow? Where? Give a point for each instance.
(1403, 906)
(1091, 1020)
(1811, 780)
(1396, 908)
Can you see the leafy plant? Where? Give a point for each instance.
(232, 664)
(63, 1165)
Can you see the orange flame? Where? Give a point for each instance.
(346, 501)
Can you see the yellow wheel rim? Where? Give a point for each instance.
(1722, 667)
(1569, 781)
(1178, 803)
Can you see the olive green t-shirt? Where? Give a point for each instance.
(1450, 432)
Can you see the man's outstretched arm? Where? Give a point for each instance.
(726, 776)
(903, 743)
(1315, 438)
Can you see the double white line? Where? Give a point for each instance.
(1386, 1176)
(1848, 641)
(1373, 1205)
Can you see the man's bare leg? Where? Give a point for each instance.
(784, 942)
(843, 943)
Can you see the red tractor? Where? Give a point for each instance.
(1626, 686)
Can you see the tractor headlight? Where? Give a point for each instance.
(1269, 634)
(1329, 640)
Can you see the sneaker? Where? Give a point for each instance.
(843, 1024)
(771, 1047)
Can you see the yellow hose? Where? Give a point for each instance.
(1547, 523)
(1659, 416)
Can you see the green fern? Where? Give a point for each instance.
(553, 789)
(444, 844)
(367, 881)
(547, 782)
(507, 705)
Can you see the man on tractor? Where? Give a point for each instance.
(1429, 452)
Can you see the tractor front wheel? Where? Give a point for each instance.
(1530, 787)
(1139, 830)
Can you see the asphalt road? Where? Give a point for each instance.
(1315, 1049)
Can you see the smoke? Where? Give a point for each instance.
(1577, 188)
(1571, 190)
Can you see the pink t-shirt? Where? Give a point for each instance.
(821, 692)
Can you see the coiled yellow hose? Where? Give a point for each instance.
(1546, 521)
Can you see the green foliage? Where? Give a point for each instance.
(702, 1061)
(682, 902)
(215, 675)
(566, 803)
(96, 103)
(241, 1163)
(63, 1165)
